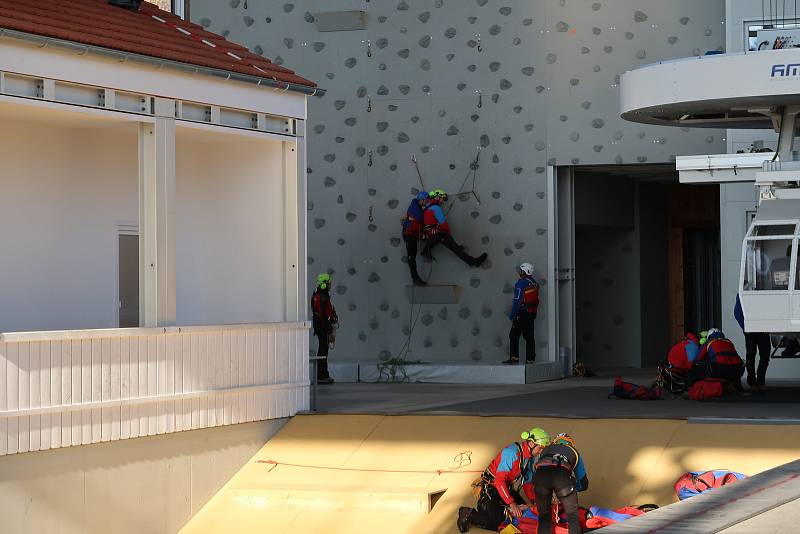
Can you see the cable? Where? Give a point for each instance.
(463, 459)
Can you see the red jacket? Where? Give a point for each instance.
(720, 350)
(514, 463)
(322, 307)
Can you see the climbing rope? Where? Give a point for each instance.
(463, 459)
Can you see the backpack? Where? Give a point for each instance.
(707, 388)
(697, 482)
(626, 390)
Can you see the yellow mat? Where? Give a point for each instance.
(326, 457)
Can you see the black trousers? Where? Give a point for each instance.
(556, 480)
(523, 326)
(757, 341)
(491, 509)
(411, 254)
(448, 241)
(321, 331)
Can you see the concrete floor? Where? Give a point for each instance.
(582, 398)
(570, 397)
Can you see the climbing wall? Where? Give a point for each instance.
(530, 82)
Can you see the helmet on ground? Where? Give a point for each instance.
(703, 337)
(324, 281)
(537, 435)
(526, 268)
(715, 333)
(564, 439)
(438, 194)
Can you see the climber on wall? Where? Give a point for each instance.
(324, 321)
(523, 314)
(412, 233)
(436, 230)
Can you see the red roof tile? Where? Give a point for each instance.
(149, 32)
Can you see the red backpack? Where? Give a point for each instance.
(707, 388)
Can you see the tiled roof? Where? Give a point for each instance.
(148, 32)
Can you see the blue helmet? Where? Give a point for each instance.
(422, 195)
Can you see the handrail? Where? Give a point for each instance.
(103, 333)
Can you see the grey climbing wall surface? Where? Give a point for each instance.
(531, 82)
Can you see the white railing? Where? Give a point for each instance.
(75, 387)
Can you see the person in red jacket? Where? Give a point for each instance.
(436, 229)
(513, 466)
(325, 322)
(718, 359)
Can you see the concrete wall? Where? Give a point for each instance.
(548, 72)
(229, 237)
(154, 484)
(64, 191)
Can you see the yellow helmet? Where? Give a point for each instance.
(537, 435)
(438, 194)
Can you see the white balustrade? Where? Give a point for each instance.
(65, 388)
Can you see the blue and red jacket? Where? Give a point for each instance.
(514, 463)
(526, 297)
(719, 351)
(683, 354)
(412, 224)
(435, 221)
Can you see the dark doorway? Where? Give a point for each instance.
(701, 279)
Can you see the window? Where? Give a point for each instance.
(166, 5)
(767, 264)
(173, 6)
(761, 230)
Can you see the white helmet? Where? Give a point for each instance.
(526, 268)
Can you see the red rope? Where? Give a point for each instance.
(463, 458)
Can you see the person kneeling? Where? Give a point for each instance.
(512, 467)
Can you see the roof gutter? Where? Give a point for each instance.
(43, 41)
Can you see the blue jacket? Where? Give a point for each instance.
(519, 293)
(738, 313)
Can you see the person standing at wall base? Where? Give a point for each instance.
(523, 314)
(324, 321)
(754, 341)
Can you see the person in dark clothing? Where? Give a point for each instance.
(754, 341)
(511, 468)
(523, 315)
(559, 469)
(324, 322)
(436, 229)
(412, 233)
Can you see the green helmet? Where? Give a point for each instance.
(537, 435)
(324, 281)
(438, 193)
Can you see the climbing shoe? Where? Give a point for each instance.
(464, 514)
(477, 262)
(511, 361)
(419, 282)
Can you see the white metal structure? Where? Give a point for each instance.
(185, 368)
(759, 90)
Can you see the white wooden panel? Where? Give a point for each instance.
(23, 360)
(125, 389)
(13, 396)
(79, 387)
